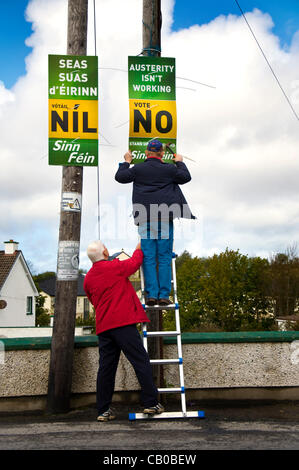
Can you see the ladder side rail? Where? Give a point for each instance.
(142, 285)
(175, 297)
(144, 336)
(179, 337)
(144, 325)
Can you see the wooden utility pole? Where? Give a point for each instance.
(62, 348)
(151, 30)
(151, 39)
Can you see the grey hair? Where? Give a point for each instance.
(95, 251)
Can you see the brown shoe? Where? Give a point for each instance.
(164, 302)
(151, 302)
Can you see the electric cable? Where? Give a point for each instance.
(269, 65)
(98, 169)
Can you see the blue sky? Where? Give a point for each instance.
(14, 29)
(285, 14)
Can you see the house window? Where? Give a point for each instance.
(86, 309)
(29, 305)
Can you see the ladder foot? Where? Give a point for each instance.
(168, 415)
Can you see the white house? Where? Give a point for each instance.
(17, 289)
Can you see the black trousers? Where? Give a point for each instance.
(111, 343)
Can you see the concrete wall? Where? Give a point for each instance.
(34, 332)
(212, 363)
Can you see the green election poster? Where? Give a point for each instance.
(152, 104)
(73, 110)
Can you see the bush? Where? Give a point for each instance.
(90, 321)
(43, 319)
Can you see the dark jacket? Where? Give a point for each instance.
(156, 188)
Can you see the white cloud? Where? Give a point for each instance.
(242, 133)
(6, 96)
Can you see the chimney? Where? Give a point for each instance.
(10, 247)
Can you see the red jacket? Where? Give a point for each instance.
(111, 293)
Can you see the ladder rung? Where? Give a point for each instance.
(161, 307)
(167, 361)
(171, 390)
(161, 333)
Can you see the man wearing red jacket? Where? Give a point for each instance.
(118, 310)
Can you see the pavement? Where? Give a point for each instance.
(229, 426)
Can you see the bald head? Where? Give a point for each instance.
(96, 251)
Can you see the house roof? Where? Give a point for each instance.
(116, 255)
(49, 285)
(6, 263)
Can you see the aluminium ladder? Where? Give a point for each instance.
(177, 333)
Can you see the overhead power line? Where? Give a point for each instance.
(269, 65)
(98, 169)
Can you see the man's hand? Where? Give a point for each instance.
(178, 158)
(138, 247)
(128, 157)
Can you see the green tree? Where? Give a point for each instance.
(227, 292)
(182, 258)
(189, 271)
(234, 292)
(42, 317)
(284, 281)
(257, 306)
(42, 276)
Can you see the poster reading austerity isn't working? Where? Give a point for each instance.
(73, 110)
(152, 103)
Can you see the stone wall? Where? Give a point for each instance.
(221, 361)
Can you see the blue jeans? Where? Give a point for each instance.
(157, 244)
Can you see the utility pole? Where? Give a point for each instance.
(151, 39)
(151, 28)
(62, 347)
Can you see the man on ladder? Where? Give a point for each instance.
(157, 201)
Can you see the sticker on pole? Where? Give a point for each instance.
(68, 260)
(73, 110)
(152, 104)
(71, 202)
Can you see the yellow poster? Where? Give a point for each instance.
(73, 119)
(153, 118)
